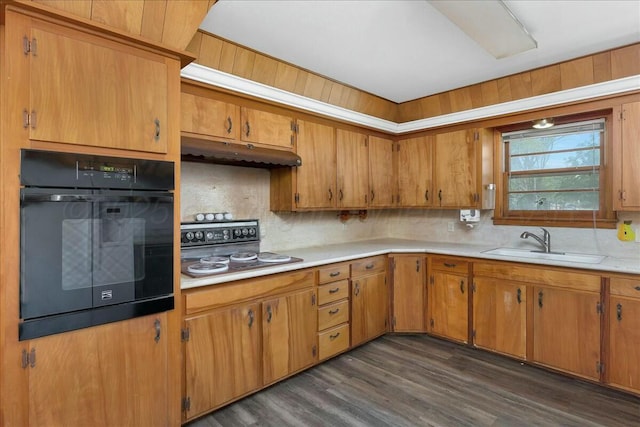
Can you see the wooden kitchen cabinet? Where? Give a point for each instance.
(499, 313)
(106, 375)
(415, 172)
(626, 157)
(566, 330)
(289, 326)
(103, 93)
(383, 178)
(409, 294)
(352, 159)
(265, 128)
(369, 299)
(623, 369)
(312, 185)
(333, 309)
(209, 117)
(448, 296)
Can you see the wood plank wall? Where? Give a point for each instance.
(172, 23)
(223, 55)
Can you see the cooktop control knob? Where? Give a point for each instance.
(199, 235)
(189, 235)
(252, 231)
(209, 235)
(237, 232)
(245, 231)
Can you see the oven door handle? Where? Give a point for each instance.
(95, 198)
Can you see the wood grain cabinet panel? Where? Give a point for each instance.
(626, 155)
(265, 128)
(415, 172)
(92, 375)
(383, 178)
(369, 307)
(102, 93)
(448, 305)
(210, 117)
(566, 330)
(500, 316)
(455, 169)
(409, 298)
(352, 158)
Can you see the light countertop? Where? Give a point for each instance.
(328, 254)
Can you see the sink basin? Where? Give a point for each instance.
(565, 257)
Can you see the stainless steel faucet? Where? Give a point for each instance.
(545, 240)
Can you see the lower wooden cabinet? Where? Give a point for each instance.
(623, 367)
(500, 316)
(566, 330)
(448, 295)
(93, 374)
(409, 296)
(369, 300)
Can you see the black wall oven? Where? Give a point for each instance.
(96, 240)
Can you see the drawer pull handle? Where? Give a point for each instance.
(334, 336)
(333, 291)
(369, 266)
(637, 288)
(334, 274)
(334, 311)
(447, 264)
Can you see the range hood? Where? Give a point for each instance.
(198, 150)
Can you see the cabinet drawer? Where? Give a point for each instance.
(368, 266)
(333, 292)
(450, 265)
(625, 287)
(333, 272)
(333, 341)
(333, 315)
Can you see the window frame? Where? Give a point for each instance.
(604, 217)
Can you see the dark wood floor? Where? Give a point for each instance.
(415, 380)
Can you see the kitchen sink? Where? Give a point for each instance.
(552, 256)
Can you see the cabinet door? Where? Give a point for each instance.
(566, 330)
(107, 375)
(369, 308)
(261, 127)
(383, 180)
(499, 316)
(414, 163)
(222, 357)
(352, 158)
(455, 169)
(209, 117)
(101, 94)
(448, 306)
(627, 154)
(316, 178)
(289, 331)
(624, 343)
(408, 293)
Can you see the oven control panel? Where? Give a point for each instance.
(215, 233)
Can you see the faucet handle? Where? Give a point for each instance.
(545, 231)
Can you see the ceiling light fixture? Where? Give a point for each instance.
(543, 123)
(490, 23)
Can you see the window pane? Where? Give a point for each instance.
(568, 181)
(554, 143)
(552, 201)
(565, 159)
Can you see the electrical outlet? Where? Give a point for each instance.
(450, 226)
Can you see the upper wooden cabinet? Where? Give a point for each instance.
(210, 117)
(352, 158)
(261, 127)
(87, 90)
(626, 158)
(463, 165)
(383, 179)
(415, 172)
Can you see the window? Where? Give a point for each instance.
(555, 175)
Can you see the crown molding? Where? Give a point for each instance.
(237, 84)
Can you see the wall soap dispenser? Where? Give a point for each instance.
(625, 232)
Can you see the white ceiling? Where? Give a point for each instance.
(405, 49)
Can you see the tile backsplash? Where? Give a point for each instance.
(245, 193)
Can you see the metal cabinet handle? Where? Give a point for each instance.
(250, 318)
(330, 195)
(341, 195)
(334, 290)
(369, 266)
(157, 133)
(158, 329)
(333, 337)
(417, 265)
(519, 296)
(356, 289)
(440, 195)
(373, 195)
(334, 311)
(540, 295)
(619, 312)
(426, 195)
(637, 288)
(269, 314)
(334, 274)
(229, 125)
(462, 286)
(447, 264)
(248, 127)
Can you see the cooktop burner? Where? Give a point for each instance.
(200, 268)
(243, 256)
(272, 258)
(214, 260)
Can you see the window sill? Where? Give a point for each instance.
(558, 222)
